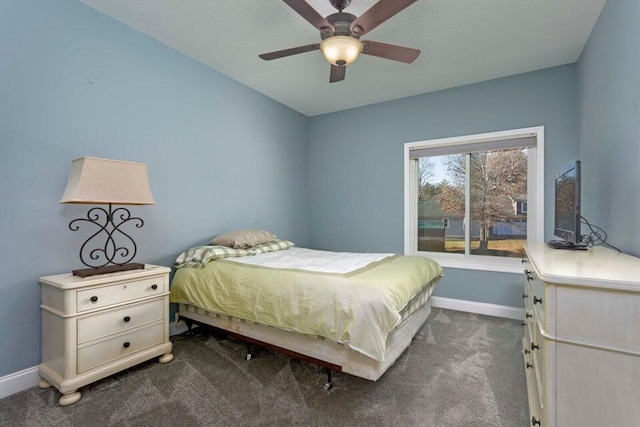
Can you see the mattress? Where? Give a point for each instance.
(358, 309)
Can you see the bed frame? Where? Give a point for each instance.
(333, 356)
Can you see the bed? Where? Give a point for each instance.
(348, 312)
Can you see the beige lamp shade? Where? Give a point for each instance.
(101, 181)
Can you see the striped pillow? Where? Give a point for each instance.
(276, 245)
(201, 255)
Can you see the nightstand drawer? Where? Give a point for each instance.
(109, 350)
(91, 299)
(114, 321)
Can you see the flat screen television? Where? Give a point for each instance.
(567, 208)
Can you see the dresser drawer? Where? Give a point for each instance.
(536, 346)
(529, 312)
(535, 409)
(109, 322)
(529, 322)
(123, 345)
(533, 392)
(104, 296)
(535, 293)
(532, 345)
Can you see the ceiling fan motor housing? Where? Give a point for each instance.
(340, 4)
(341, 22)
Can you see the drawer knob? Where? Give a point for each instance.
(529, 365)
(524, 324)
(126, 344)
(534, 421)
(126, 319)
(529, 275)
(525, 296)
(528, 315)
(154, 287)
(523, 260)
(534, 347)
(93, 299)
(537, 300)
(527, 351)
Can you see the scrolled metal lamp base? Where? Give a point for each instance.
(102, 259)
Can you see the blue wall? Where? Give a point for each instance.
(356, 164)
(609, 111)
(74, 83)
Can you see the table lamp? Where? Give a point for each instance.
(114, 182)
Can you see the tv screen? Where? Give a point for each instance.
(567, 208)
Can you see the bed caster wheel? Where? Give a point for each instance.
(327, 385)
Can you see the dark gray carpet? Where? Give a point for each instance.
(461, 370)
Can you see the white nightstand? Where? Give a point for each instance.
(96, 326)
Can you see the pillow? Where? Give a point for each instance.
(276, 245)
(241, 239)
(200, 256)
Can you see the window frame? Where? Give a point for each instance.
(535, 198)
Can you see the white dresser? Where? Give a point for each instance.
(581, 343)
(96, 326)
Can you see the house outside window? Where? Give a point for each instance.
(467, 198)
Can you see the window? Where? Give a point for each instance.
(467, 198)
(523, 207)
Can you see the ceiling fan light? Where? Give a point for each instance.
(337, 49)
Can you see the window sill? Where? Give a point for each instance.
(476, 262)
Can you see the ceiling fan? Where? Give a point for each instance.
(341, 32)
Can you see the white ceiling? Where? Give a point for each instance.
(462, 42)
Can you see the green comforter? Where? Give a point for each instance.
(358, 309)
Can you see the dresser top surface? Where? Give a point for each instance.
(597, 266)
(68, 280)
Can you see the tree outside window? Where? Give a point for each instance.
(494, 186)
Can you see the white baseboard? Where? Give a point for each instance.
(478, 307)
(19, 381)
(27, 378)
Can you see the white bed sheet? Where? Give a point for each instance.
(313, 260)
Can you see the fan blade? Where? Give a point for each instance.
(288, 52)
(337, 73)
(390, 51)
(305, 10)
(377, 14)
